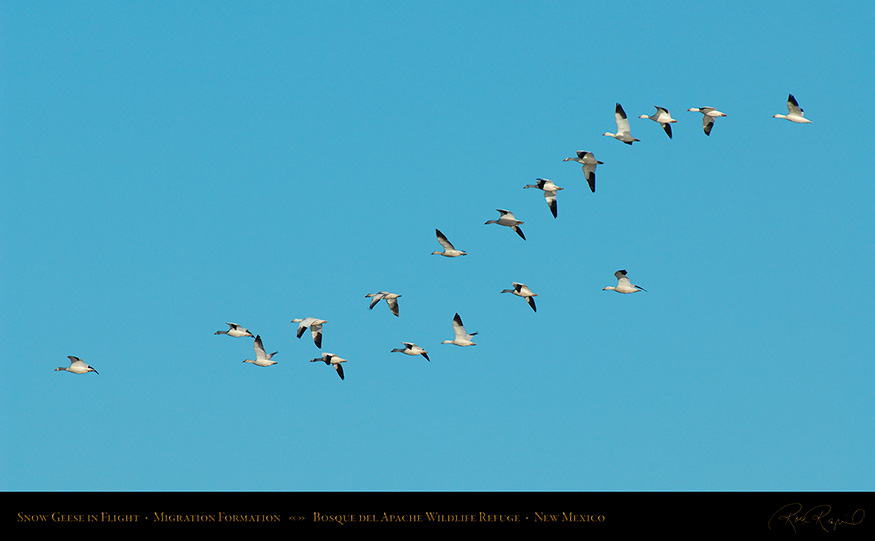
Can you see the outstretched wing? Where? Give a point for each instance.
(443, 240)
(793, 106)
(259, 349)
(707, 124)
(622, 120)
(393, 305)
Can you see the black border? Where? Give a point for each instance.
(841, 514)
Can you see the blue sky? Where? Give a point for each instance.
(171, 166)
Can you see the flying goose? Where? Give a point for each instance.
(623, 132)
(522, 290)
(449, 249)
(77, 366)
(235, 331)
(550, 190)
(589, 163)
(794, 112)
(412, 349)
(507, 218)
(391, 300)
(462, 338)
(261, 358)
(332, 360)
(663, 117)
(708, 116)
(315, 328)
(623, 284)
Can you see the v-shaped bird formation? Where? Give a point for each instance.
(506, 218)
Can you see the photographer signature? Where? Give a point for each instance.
(819, 515)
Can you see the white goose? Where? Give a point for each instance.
(550, 191)
(507, 219)
(794, 112)
(261, 358)
(77, 366)
(449, 249)
(623, 132)
(708, 116)
(462, 338)
(589, 163)
(332, 360)
(236, 331)
(623, 284)
(412, 349)
(315, 328)
(391, 300)
(522, 290)
(663, 117)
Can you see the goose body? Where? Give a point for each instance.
(624, 133)
(332, 360)
(77, 366)
(708, 116)
(412, 349)
(794, 112)
(391, 300)
(589, 163)
(623, 284)
(235, 330)
(522, 290)
(550, 191)
(261, 358)
(449, 249)
(461, 338)
(315, 326)
(663, 117)
(507, 219)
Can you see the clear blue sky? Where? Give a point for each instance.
(170, 166)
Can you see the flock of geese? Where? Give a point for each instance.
(506, 218)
